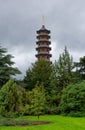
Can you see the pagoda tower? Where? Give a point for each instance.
(43, 49)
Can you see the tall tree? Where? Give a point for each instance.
(6, 69)
(10, 99)
(28, 81)
(63, 69)
(40, 72)
(37, 100)
(80, 68)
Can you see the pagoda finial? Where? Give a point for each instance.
(43, 21)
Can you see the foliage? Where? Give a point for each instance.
(10, 99)
(39, 72)
(37, 101)
(28, 81)
(6, 69)
(73, 100)
(24, 96)
(80, 68)
(62, 70)
(14, 122)
(52, 102)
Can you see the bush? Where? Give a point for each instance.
(10, 99)
(14, 122)
(52, 102)
(36, 101)
(73, 100)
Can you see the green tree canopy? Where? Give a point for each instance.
(62, 70)
(37, 100)
(6, 69)
(73, 100)
(10, 99)
(39, 72)
(80, 68)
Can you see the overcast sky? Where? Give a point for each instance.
(19, 20)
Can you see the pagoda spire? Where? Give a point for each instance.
(43, 21)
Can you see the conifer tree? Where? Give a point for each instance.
(39, 72)
(63, 69)
(37, 100)
(10, 99)
(6, 69)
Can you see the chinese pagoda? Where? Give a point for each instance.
(43, 48)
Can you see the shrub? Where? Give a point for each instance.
(73, 100)
(10, 99)
(36, 101)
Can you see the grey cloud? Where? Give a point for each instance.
(67, 25)
(19, 20)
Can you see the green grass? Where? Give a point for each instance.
(58, 123)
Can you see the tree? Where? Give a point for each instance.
(62, 70)
(28, 81)
(73, 100)
(39, 72)
(37, 101)
(80, 68)
(6, 69)
(10, 99)
(52, 102)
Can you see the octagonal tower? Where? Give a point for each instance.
(43, 44)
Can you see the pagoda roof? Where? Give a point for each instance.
(43, 35)
(43, 54)
(43, 41)
(43, 47)
(43, 29)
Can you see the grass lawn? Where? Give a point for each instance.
(58, 123)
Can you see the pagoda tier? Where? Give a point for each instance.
(43, 43)
(42, 54)
(43, 36)
(46, 48)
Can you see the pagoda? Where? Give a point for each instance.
(43, 49)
